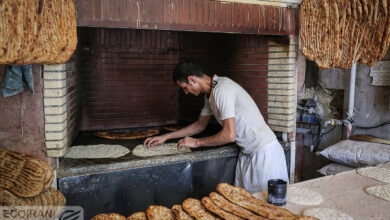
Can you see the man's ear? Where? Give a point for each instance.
(191, 79)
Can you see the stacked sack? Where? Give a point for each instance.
(231, 202)
(37, 31)
(26, 181)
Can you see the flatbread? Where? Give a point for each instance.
(332, 50)
(137, 216)
(70, 24)
(49, 176)
(381, 174)
(326, 214)
(233, 208)
(314, 26)
(127, 135)
(9, 199)
(11, 30)
(296, 195)
(172, 127)
(305, 218)
(163, 149)
(381, 191)
(303, 196)
(244, 199)
(195, 208)
(180, 214)
(16, 173)
(51, 200)
(96, 151)
(210, 205)
(156, 212)
(109, 216)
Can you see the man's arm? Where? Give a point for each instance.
(226, 135)
(192, 129)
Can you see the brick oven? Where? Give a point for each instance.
(120, 75)
(121, 71)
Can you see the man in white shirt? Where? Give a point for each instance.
(261, 157)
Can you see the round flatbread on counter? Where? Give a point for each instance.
(262, 195)
(296, 195)
(381, 174)
(96, 151)
(303, 196)
(163, 149)
(326, 214)
(381, 191)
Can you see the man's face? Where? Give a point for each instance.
(191, 87)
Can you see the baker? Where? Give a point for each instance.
(261, 157)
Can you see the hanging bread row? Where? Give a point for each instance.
(338, 33)
(37, 31)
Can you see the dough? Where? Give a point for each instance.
(381, 174)
(381, 191)
(163, 149)
(96, 151)
(326, 214)
(303, 196)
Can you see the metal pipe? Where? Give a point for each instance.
(293, 40)
(352, 91)
(351, 102)
(292, 159)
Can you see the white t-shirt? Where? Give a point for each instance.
(230, 100)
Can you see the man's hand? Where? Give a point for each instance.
(188, 142)
(153, 141)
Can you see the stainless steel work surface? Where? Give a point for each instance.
(131, 186)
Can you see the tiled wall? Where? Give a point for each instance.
(62, 107)
(282, 84)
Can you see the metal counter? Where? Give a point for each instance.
(130, 184)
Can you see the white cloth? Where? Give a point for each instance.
(230, 100)
(253, 171)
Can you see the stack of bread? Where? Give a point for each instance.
(37, 31)
(26, 181)
(235, 203)
(343, 32)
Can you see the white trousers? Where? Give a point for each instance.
(254, 170)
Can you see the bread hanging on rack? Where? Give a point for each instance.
(37, 31)
(362, 33)
(314, 25)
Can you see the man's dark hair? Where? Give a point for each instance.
(185, 69)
